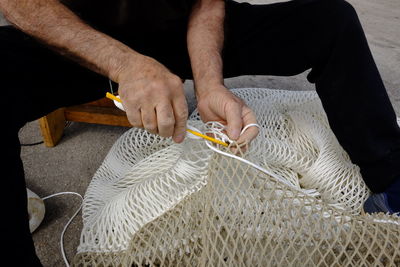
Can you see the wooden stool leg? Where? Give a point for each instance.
(52, 127)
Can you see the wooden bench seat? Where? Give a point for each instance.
(102, 111)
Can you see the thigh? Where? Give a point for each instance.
(36, 80)
(280, 39)
(168, 48)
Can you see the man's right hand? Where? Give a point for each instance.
(153, 98)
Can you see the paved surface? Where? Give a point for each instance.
(70, 165)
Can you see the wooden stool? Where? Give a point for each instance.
(102, 111)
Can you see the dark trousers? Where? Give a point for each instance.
(279, 39)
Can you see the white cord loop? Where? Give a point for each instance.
(248, 126)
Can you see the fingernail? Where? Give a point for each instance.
(180, 138)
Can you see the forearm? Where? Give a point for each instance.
(205, 42)
(56, 26)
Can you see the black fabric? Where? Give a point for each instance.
(129, 19)
(324, 36)
(15, 232)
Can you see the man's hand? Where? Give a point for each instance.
(215, 102)
(153, 98)
(219, 104)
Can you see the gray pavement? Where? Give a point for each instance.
(70, 165)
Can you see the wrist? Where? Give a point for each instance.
(202, 89)
(125, 67)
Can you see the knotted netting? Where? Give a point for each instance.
(292, 198)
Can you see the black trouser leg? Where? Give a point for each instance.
(34, 81)
(18, 243)
(324, 36)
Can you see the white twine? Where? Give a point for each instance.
(68, 223)
(216, 129)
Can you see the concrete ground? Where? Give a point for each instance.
(70, 165)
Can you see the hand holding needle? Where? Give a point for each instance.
(113, 97)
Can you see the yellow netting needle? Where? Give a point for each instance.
(113, 97)
(207, 137)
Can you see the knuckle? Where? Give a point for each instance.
(165, 133)
(182, 116)
(151, 127)
(141, 98)
(176, 81)
(131, 102)
(147, 119)
(181, 108)
(160, 91)
(156, 85)
(177, 89)
(148, 122)
(169, 122)
(135, 123)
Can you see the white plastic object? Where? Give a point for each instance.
(36, 210)
(118, 104)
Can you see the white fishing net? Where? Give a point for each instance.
(293, 198)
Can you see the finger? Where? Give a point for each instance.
(248, 118)
(149, 120)
(181, 114)
(134, 115)
(234, 119)
(248, 135)
(165, 119)
(135, 118)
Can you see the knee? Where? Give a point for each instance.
(339, 16)
(343, 11)
(347, 10)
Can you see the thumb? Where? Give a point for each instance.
(234, 119)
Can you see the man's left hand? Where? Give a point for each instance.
(219, 104)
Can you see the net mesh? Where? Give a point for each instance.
(156, 203)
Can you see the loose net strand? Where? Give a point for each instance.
(293, 197)
(64, 256)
